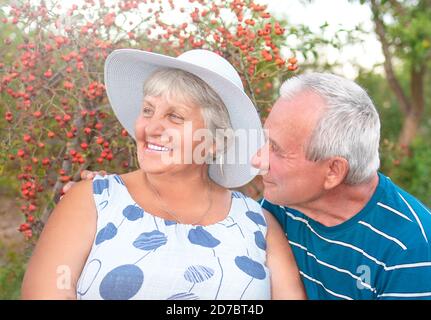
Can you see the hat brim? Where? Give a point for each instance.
(126, 70)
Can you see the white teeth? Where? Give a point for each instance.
(156, 148)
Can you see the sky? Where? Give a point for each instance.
(337, 13)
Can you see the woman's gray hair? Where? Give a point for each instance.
(348, 128)
(186, 87)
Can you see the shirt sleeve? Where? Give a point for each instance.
(409, 276)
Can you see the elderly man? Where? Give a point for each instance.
(354, 233)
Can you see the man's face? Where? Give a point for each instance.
(289, 178)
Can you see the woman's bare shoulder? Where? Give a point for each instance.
(80, 195)
(66, 240)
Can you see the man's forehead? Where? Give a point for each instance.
(302, 106)
(294, 116)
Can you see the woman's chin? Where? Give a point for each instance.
(153, 168)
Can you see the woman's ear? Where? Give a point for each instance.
(337, 169)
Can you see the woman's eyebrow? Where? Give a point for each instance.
(180, 107)
(148, 102)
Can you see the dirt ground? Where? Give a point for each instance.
(10, 219)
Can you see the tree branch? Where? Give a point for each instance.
(399, 9)
(394, 84)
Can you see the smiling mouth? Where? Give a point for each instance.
(156, 147)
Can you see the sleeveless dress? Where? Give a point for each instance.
(136, 255)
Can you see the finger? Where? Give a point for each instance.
(67, 186)
(87, 175)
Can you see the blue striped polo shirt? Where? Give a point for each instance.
(383, 252)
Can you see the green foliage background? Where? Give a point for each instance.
(410, 169)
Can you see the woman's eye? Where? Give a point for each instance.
(147, 111)
(176, 117)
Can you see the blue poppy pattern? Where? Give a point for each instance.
(260, 240)
(256, 218)
(136, 255)
(183, 296)
(150, 240)
(99, 185)
(202, 238)
(252, 268)
(106, 233)
(196, 274)
(122, 283)
(133, 213)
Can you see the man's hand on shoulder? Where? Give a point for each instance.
(85, 175)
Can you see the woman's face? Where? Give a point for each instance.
(164, 135)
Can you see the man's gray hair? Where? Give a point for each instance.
(348, 128)
(186, 87)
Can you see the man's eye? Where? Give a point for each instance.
(273, 147)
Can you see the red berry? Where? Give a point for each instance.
(65, 179)
(8, 116)
(37, 114)
(293, 60)
(48, 74)
(24, 226)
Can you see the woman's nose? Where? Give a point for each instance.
(261, 160)
(154, 126)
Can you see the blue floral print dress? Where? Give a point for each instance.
(136, 255)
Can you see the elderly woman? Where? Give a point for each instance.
(171, 229)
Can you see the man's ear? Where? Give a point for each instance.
(337, 169)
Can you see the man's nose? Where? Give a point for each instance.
(261, 160)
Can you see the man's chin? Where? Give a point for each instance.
(269, 193)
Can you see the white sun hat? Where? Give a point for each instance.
(126, 70)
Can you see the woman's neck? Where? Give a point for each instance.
(178, 186)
